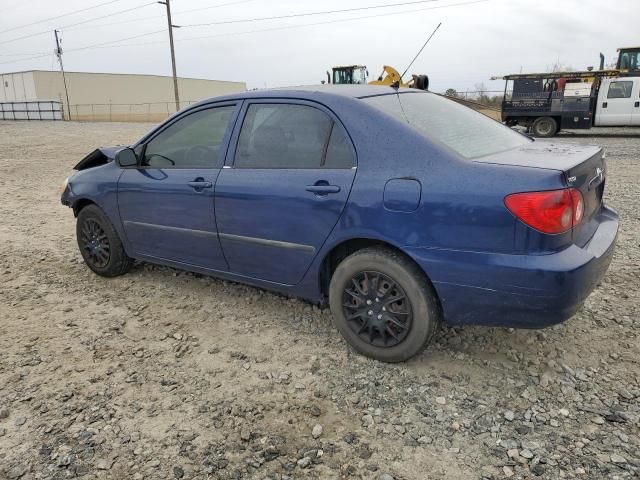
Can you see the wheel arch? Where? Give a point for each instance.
(81, 203)
(346, 247)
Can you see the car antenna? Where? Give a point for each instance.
(419, 52)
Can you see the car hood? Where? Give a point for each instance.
(100, 156)
(543, 154)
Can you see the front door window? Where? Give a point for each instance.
(192, 142)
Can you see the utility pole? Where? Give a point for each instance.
(64, 78)
(173, 53)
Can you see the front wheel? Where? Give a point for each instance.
(99, 243)
(383, 304)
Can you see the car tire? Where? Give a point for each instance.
(544, 127)
(99, 243)
(422, 82)
(360, 292)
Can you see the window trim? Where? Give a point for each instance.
(242, 115)
(219, 163)
(325, 148)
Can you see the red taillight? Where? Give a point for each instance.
(553, 211)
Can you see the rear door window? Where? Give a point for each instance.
(281, 135)
(465, 131)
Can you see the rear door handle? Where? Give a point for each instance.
(604, 105)
(323, 189)
(637, 104)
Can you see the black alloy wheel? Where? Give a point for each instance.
(376, 309)
(95, 243)
(100, 244)
(383, 304)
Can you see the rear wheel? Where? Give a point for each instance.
(544, 127)
(383, 304)
(99, 243)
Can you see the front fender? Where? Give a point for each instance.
(98, 185)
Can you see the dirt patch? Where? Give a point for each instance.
(165, 374)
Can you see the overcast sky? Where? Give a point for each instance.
(476, 40)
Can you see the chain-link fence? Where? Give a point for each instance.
(480, 101)
(474, 94)
(123, 112)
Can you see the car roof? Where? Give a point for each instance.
(312, 92)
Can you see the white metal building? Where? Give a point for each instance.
(110, 96)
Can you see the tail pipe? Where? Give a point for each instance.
(601, 61)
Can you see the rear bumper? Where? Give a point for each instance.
(525, 291)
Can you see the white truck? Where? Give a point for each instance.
(545, 103)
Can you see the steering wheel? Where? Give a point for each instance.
(199, 155)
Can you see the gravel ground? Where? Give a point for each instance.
(165, 374)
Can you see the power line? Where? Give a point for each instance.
(77, 23)
(20, 54)
(289, 27)
(214, 6)
(110, 44)
(150, 17)
(131, 20)
(25, 59)
(119, 12)
(96, 45)
(60, 16)
(309, 14)
(88, 47)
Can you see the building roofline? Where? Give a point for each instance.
(122, 74)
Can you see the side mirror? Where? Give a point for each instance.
(127, 158)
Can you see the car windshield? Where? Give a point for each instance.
(467, 132)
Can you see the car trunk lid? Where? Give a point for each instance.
(589, 177)
(582, 167)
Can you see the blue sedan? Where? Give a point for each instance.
(397, 207)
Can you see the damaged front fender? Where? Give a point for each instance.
(100, 156)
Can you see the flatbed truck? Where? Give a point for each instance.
(546, 103)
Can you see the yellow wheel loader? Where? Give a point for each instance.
(358, 75)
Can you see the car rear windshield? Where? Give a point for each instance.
(469, 133)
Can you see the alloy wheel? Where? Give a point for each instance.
(95, 243)
(377, 309)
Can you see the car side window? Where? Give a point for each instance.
(282, 136)
(339, 153)
(620, 90)
(193, 141)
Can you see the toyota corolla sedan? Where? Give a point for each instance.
(397, 207)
